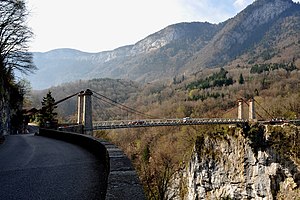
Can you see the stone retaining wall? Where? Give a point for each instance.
(122, 180)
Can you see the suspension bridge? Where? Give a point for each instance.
(87, 125)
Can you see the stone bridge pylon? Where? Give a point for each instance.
(250, 103)
(84, 111)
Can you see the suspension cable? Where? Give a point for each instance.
(64, 99)
(228, 111)
(248, 105)
(126, 108)
(264, 109)
(101, 105)
(114, 103)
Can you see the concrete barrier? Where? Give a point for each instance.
(122, 180)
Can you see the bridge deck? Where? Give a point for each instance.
(163, 122)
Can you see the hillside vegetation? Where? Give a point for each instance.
(157, 153)
(196, 70)
(119, 90)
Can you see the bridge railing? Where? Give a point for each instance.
(102, 125)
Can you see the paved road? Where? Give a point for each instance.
(35, 167)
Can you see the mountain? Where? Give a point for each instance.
(266, 31)
(58, 66)
(264, 27)
(160, 53)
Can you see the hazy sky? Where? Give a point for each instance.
(98, 25)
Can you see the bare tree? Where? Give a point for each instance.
(14, 38)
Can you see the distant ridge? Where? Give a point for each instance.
(265, 31)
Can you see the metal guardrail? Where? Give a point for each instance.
(103, 125)
(118, 124)
(281, 121)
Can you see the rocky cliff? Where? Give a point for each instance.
(239, 166)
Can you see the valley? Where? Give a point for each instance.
(196, 70)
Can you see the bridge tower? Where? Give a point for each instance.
(251, 116)
(84, 110)
(240, 108)
(80, 108)
(87, 112)
(251, 110)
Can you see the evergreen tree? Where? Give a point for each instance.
(47, 116)
(241, 79)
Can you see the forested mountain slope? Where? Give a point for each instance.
(265, 31)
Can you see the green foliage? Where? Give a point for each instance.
(204, 96)
(215, 80)
(146, 154)
(200, 142)
(178, 80)
(260, 68)
(241, 79)
(206, 138)
(285, 141)
(226, 198)
(256, 136)
(47, 116)
(118, 90)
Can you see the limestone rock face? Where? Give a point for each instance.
(228, 167)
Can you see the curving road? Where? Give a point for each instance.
(34, 167)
